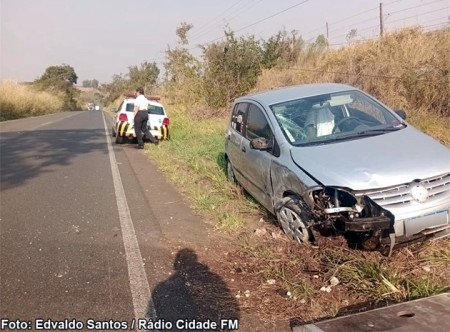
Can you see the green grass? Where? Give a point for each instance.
(194, 160)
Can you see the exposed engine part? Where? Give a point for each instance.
(347, 213)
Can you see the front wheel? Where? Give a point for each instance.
(293, 217)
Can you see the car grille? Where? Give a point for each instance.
(400, 196)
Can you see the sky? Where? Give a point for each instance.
(101, 38)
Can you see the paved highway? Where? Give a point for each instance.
(88, 228)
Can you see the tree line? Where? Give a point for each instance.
(227, 69)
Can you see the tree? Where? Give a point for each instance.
(90, 83)
(94, 83)
(321, 43)
(231, 68)
(281, 48)
(351, 36)
(87, 84)
(61, 80)
(58, 77)
(183, 72)
(144, 76)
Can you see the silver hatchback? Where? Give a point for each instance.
(329, 156)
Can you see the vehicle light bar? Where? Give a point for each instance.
(133, 95)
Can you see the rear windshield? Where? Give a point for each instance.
(152, 109)
(157, 110)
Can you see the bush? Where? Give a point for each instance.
(19, 101)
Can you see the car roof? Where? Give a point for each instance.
(151, 102)
(295, 92)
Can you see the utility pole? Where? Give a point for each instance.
(381, 20)
(328, 35)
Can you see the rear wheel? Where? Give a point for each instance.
(230, 173)
(119, 139)
(113, 132)
(293, 217)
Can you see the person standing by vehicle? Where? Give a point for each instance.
(141, 118)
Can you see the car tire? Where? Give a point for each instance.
(230, 173)
(119, 139)
(293, 217)
(113, 132)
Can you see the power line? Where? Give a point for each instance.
(262, 20)
(201, 30)
(429, 12)
(389, 23)
(343, 20)
(276, 14)
(353, 24)
(234, 14)
(405, 9)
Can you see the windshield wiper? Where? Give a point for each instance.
(379, 130)
(360, 134)
(350, 136)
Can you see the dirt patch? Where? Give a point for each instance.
(280, 283)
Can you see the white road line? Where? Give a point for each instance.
(140, 289)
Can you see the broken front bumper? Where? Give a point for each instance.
(368, 224)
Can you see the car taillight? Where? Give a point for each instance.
(166, 122)
(123, 117)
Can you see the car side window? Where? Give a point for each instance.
(238, 117)
(257, 124)
(130, 107)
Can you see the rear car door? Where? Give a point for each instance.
(235, 137)
(156, 115)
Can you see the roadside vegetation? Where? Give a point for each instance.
(53, 92)
(269, 275)
(19, 101)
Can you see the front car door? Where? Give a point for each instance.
(256, 163)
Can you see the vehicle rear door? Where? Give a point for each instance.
(156, 115)
(235, 137)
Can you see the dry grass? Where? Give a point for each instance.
(19, 101)
(407, 70)
(284, 279)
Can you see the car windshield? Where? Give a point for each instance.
(333, 117)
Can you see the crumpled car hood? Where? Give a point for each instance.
(375, 162)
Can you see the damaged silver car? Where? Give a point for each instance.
(330, 157)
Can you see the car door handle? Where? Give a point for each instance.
(243, 149)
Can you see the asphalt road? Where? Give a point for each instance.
(91, 233)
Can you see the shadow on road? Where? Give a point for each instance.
(193, 292)
(28, 154)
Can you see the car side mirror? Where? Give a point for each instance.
(259, 143)
(401, 113)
